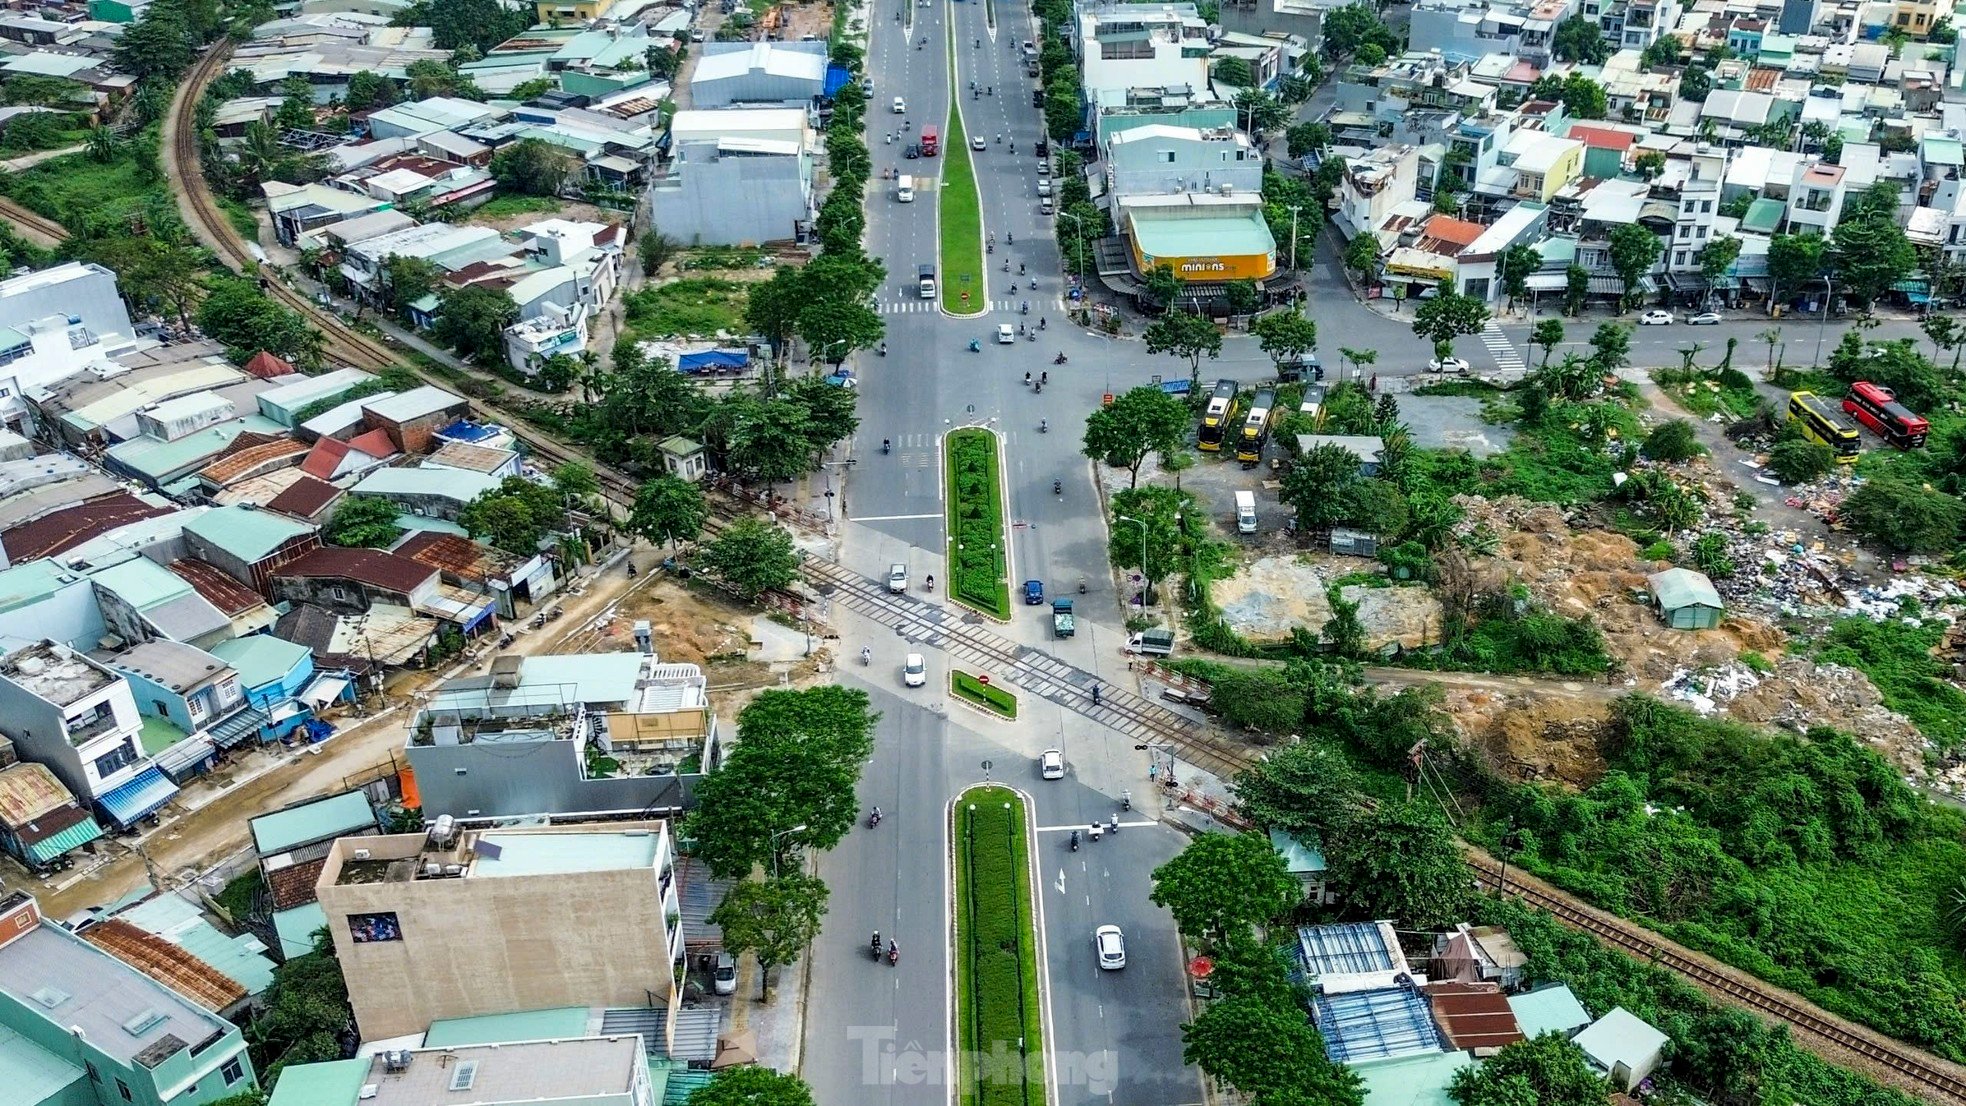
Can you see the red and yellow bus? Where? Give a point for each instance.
(1877, 407)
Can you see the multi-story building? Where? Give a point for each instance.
(736, 175)
(78, 1027)
(455, 924)
(1816, 198)
(1374, 186)
(53, 324)
(1302, 18)
(78, 717)
(1162, 160)
(1124, 46)
(579, 1071)
(1466, 30)
(1697, 197)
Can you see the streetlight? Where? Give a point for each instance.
(1829, 293)
(1078, 236)
(800, 828)
(1294, 209)
(1146, 579)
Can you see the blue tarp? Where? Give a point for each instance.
(712, 359)
(149, 790)
(836, 78)
(464, 430)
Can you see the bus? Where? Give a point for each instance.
(1256, 429)
(1217, 417)
(1313, 405)
(929, 141)
(1878, 408)
(1822, 421)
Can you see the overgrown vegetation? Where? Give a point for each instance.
(997, 1011)
(1897, 656)
(693, 307)
(977, 549)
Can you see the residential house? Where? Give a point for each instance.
(172, 918)
(47, 599)
(199, 696)
(585, 1069)
(307, 500)
(1623, 1048)
(539, 901)
(1465, 30)
(525, 738)
(1162, 160)
(292, 844)
(78, 1027)
(1299, 19)
(556, 331)
(1472, 1017)
(60, 530)
(56, 323)
(274, 675)
(79, 718)
(484, 460)
(1816, 198)
(246, 609)
(357, 581)
(412, 419)
(299, 208)
(426, 491)
(1551, 1008)
(1126, 46)
(142, 600)
(336, 461)
(1306, 864)
(168, 963)
(40, 821)
(461, 562)
(281, 404)
(248, 543)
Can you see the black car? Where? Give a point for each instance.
(914, 150)
(1037, 97)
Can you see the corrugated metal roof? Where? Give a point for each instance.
(1351, 948)
(169, 964)
(333, 1083)
(223, 592)
(28, 791)
(246, 533)
(315, 820)
(59, 531)
(242, 959)
(84, 830)
(261, 659)
(1473, 1015)
(1371, 1025)
(1683, 587)
(697, 1030)
(1549, 1010)
(1411, 1080)
(557, 1023)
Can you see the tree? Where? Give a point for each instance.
(515, 516)
(1611, 347)
(457, 23)
(668, 508)
(1138, 422)
(1362, 257)
(798, 765)
(1285, 335)
(1234, 71)
(762, 439)
(1514, 267)
(1343, 632)
(1576, 287)
(1649, 164)
(1308, 138)
(1672, 441)
(1634, 250)
(1268, 1051)
(361, 520)
(472, 320)
(433, 77)
(1903, 516)
(1945, 333)
(655, 250)
(772, 919)
(533, 167)
(834, 327)
(751, 557)
(752, 1085)
(1349, 27)
(1163, 285)
(405, 280)
(1399, 860)
(1548, 334)
(1317, 485)
(1716, 257)
(1546, 1070)
(305, 1011)
(1578, 38)
(160, 45)
(1871, 253)
(1583, 97)
(1184, 335)
(1261, 113)
(1307, 788)
(1662, 54)
(1447, 316)
(1224, 884)
(368, 90)
(1242, 297)
(1794, 260)
(1695, 83)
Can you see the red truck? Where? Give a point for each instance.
(931, 141)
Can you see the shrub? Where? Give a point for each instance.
(1799, 460)
(1672, 442)
(976, 554)
(989, 696)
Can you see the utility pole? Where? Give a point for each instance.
(1294, 209)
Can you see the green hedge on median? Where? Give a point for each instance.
(996, 954)
(977, 548)
(988, 696)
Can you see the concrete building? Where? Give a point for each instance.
(274, 675)
(79, 1027)
(412, 418)
(426, 492)
(248, 543)
(554, 332)
(187, 696)
(453, 924)
(736, 176)
(1162, 160)
(1816, 198)
(729, 73)
(520, 740)
(292, 844)
(40, 821)
(54, 324)
(1623, 1048)
(1205, 238)
(1466, 30)
(1126, 46)
(584, 1071)
(79, 718)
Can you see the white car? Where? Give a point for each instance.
(1704, 318)
(1051, 764)
(1044, 186)
(1111, 945)
(725, 975)
(1006, 334)
(900, 106)
(914, 671)
(977, 143)
(897, 577)
(1655, 318)
(1447, 365)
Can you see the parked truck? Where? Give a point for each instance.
(1152, 643)
(1063, 622)
(925, 277)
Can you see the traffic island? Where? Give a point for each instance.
(977, 551)
(959, 215)
(979, 692)
(1000, 1028)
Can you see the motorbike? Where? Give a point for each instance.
(1075, 841)
(1033, 335)
(1037, 389)
(1096, 830)
(1040, 322)
(975, 346)
(893, 953)
(1058, 360)
(875, 944)
(1034, 284)
(1081, 586)
(1044, 426)
(1113, 826)
(1024, 308)
(885, 447)
(1058, 487)
(929, 584)
(1095, 695)
(874, 818)
(866, 656)
(1126, 800)
(883, 349)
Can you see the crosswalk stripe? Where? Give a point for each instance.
(1502, 349)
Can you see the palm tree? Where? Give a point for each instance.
(1771, 338)
(102, 144)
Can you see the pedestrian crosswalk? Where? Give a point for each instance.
(912, 306)
(1501, 349)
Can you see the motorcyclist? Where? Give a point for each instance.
(1044, 377)
(1044, 426)
(1027, 380)
(1095, 695)
(1075, 841)
(886, 445)
(1060, 359)
(875, 814)
(866, 655)
(1010, 238)
(1040, 327)
(931, 581)
(893, 952)
(875, 944)
(1058, 488)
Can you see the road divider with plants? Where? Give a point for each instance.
(978, 691)
(978, 553)
(959, 219)
(1001, 1043)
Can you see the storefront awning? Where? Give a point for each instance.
(237, 729)
(74, 837)
(1547, 282)
(185, 756)
(142, 795)
(325, 690)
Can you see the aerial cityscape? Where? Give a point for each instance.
(982, 553)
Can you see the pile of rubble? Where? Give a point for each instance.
(1822, 497)
(1799, 694)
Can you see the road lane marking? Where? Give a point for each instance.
(1083, 825)
(894, 518)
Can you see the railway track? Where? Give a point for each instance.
(38, 229)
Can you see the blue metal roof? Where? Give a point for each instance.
(149, 790)
(1349, 949)
(836, 78)
(1374, 1025)
(713, 359)
(464, 430)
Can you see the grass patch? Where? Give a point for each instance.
(76, 190)
(1729, 394)
(961, 222)
(1898, 659)
(1473, 388)
(1563, 458)
(241, 218)
(990, 697)
(721, 258)
(506, 206)
(697, 305)
(996, 954)
(978, 553)
(237, 897)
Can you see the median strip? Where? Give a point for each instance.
(1001, 1054)
(959, 213)
(979, 692)
(977, 551)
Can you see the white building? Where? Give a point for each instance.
(1127, 46)
(1159, 160)
(554, 331)
(53, 324)
(79, 718)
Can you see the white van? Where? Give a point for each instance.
(1245, 512)
(904, 189)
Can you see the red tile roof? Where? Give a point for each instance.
(266, 366)
(1604, 138)
(376, 443)
(460, 557)
(60, 531)
(324, 458)
(1762, 78)
(387, 571)
(1446, 228)
(169, 964)
(218, 589)
(294, 885)
(1473, 1015)
(304, 498)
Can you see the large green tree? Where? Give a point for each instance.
(1399, 860)
(1871, 253)
(1318, 485)
(1137, 423)
(1307, 788)
(751, 1085)
(1446, 317)
(457, 23)
(772, 919)
(751, 557)
(1634, 250)
(1189, 337)
(1225, 883)
(668, 508)
(1904, 516)
(1268, 1051)
(472, 320)
(1285, 335)
(533, 167)
(515, 516)
(1579, 38)
(1546, 1070)
(1794, 262)
(363, 520)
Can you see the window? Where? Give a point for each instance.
(1689, 207)
(123, 1089)
(1167, 156)
(1706, 207)
(162, 708)
(1686, 232)
(1703, 232)
(232, 1072)
(380, 926)
(111, 763)
(94, 1075)
(1679, 257)
(340, 593)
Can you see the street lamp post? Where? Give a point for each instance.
(1829, 293)
(1294, 209)
(800, 828)
(1078, 237)
(1146, 578)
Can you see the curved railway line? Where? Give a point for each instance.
(947, 628)
(38, 229)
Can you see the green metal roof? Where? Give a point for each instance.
(1210, 236)
(1548, 1010)
(28, 584)
(158, 459)
(296, 928)
(556, 1024)
(159, 734)
(1411, 1080)
(143, 583)
(334, 1083)
(1939, 149)
(260, 659)
(34, 1075)
(319, 820)
(249, 535)
(1763, 215)
(1300, 858)
(1683, 587)
(242, 959)
(74, 837)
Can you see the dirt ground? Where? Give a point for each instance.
(573, 210)
(1273, 595)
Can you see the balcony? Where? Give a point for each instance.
(83, 731)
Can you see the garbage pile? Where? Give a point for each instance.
(1707, 689)
(1822, 497)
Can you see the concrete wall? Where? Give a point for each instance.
(512, 779)
(71, 616)
(733, 199)
(493, 945)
